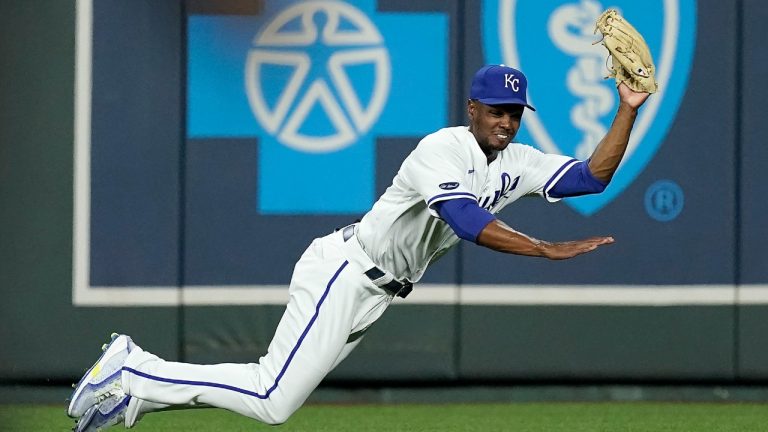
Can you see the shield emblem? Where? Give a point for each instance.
(551, 42)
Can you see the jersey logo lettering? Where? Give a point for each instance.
(510, 82)
(507, 186)
(449, 185)
(579, 104)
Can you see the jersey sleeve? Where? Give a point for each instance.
(437, 170)
(543, 170)
(577, 181)
(465, 217)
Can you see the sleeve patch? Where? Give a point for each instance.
(448, 185)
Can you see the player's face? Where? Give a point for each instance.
(494, 126)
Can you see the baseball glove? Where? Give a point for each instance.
(631, 61)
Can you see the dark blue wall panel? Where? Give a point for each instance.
(753, 230)
(754, 151)
(136, 143)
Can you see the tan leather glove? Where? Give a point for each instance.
(631, 61)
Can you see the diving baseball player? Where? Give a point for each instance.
(447, 189)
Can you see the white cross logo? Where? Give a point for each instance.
(279, 44)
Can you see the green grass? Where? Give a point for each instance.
(533, 417)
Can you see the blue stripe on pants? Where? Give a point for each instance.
(282, 371)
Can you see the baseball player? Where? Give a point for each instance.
(447, 189)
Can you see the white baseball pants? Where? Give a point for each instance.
(330, 298)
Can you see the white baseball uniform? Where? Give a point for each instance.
(331, 297)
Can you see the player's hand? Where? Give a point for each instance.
(570, 249)
(630, 97)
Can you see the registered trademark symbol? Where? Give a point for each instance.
(664, 200)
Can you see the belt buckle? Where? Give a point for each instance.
(394, 287)
(406, 289)
(400, 289)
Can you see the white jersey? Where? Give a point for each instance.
(403, 234)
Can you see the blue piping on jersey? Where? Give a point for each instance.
(577, 181)
(464, 194)
(282, 371)
(557, 173)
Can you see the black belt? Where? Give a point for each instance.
(394, 287)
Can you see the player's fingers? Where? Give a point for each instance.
(592, 244)
(578, 249)
(601, 240)
(574, 248)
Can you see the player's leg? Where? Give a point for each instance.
(368, 314)
(328, 302)
(136, 408)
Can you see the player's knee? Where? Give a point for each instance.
(278, 414)
(276, 419)
(275, 422)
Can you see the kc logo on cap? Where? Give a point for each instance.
(500, 84)
(511, 81)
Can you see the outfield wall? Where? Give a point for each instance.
(134, 200)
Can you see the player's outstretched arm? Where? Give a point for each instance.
(609, 152)
(500, 237)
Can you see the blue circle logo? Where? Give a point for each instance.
(664, 200)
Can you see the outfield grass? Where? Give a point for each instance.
(529, 417)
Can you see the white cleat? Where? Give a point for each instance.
(103, 380)
(108, 413)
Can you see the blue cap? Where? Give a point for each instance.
(499, 84)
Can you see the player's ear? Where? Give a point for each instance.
(471, 107)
